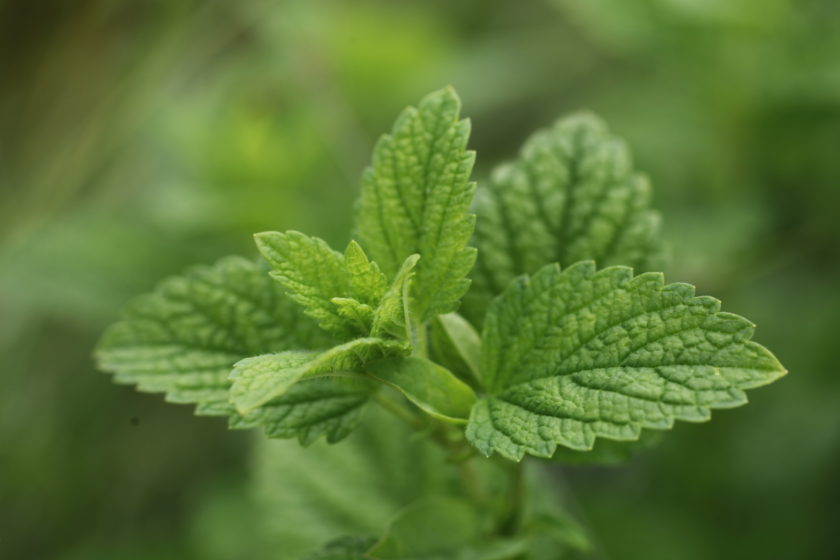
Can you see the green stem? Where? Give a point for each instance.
(420, 340)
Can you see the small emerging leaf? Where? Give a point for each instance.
(311, 273)
(357, 314)
(367, 282)
(574, 355)
(392, 315)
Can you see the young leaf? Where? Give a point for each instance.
(260, 379)
(358, 315)
(569, 356)
(184, 338)
(367, 282)
(572, 195)
(311, 273)
(414, 199)
(432, 388)
(392, 315)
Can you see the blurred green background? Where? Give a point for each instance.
(139, 137)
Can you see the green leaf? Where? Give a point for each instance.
(347, 294)
(344, 548)
(392, 314)
(570, 356)
(414, 199)
(260, 379)
(572, 195)
(434, 389)
(311, 273)
(456, 345)
(184, 338)
(330, 406)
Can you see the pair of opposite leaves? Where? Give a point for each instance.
(565, 356)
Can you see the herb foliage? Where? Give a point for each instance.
(562, 351)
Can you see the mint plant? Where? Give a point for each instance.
(560, 351)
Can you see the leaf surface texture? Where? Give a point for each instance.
(572, 195)
(184, 338)
(574, 355)
(415, 197)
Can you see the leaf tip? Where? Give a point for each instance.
(263, 235)
(446, 97)
(583, 119)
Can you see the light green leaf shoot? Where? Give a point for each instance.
(347, 294)
(392, 316)
(311, 273)
(367, 283)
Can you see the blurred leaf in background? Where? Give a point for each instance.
(137, 138)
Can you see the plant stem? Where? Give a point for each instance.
(420, 340)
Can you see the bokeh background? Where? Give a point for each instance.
(139, 137)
